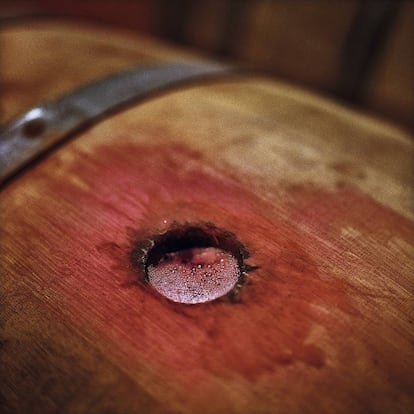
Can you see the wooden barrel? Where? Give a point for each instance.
(311, 199)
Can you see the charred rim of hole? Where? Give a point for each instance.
(188, 236)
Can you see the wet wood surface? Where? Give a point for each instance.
(320, 196)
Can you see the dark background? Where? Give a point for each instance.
(360, 52)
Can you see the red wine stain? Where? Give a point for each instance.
(295, 291)
(271, 322)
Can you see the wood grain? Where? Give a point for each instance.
(320, 196)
